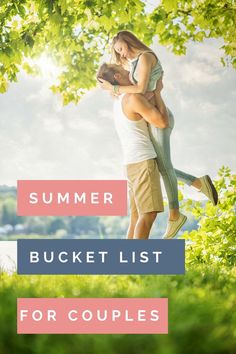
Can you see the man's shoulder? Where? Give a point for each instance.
(129, 98)
(130, 106)
(125, 102)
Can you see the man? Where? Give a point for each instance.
(135, 107)
(131, 113)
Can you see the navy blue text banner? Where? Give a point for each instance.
(100, 256)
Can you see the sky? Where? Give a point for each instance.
(42, 139)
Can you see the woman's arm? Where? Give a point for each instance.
(144, 68)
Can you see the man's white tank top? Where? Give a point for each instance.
(134, 136)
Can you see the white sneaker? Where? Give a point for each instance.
(174, 226)
(208, 189)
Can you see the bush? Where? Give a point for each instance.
(214, 240)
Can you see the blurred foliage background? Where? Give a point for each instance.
(74, 34)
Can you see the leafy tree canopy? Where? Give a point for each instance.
(75, 33)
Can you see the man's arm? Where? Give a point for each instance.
(159, 101)
(137, 105)
(161, 107)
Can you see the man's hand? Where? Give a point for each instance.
(149, 95)
(159, 85)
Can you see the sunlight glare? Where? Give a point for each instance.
(48, 69)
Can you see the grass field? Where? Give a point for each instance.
(202, 317)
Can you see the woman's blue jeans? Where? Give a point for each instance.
(161, 141)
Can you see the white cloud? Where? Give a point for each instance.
(201, 74)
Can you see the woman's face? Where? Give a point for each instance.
(122, 48)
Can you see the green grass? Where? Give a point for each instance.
(202, 316)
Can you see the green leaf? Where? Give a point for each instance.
(3, 84)
(170, 5)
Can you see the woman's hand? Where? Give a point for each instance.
(105, 85)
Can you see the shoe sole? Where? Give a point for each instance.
(213, 190)
(177, 230)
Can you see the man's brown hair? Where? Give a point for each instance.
(107, 72)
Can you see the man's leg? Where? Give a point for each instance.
(133, 212)
(132, 225)
(144, 225)
(144, 182)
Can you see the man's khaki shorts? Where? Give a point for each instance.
(144, 187)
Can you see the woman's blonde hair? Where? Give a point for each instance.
(132, 42)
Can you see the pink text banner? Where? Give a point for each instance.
(92, 315)
(71, 198)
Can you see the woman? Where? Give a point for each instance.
(145, 72)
